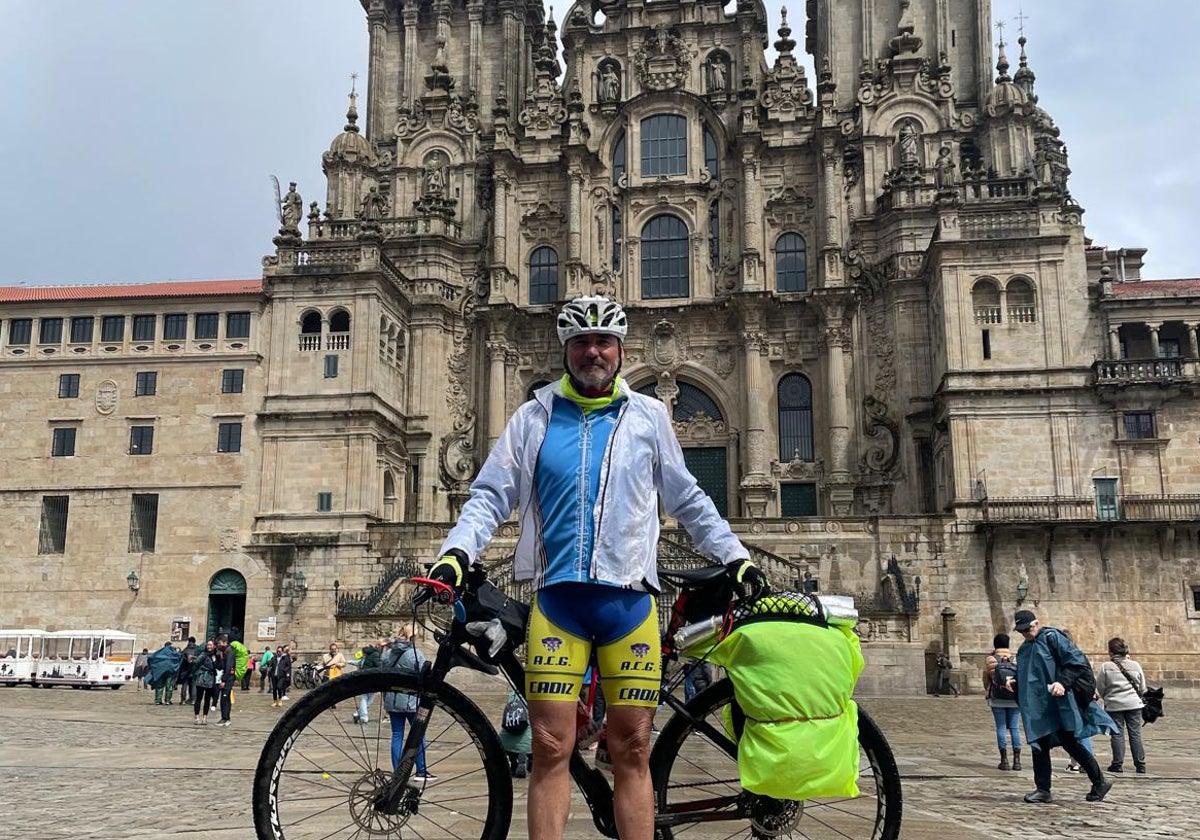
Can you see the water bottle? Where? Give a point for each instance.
(700, 633)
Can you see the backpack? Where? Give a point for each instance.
(516, 716)
(241, 659)
(1005, 668)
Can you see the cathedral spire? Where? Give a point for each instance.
(785, 44)
(1002, 64)
(352, 112)
(1024, 76)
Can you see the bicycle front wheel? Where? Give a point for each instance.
(700, 797)
(327, 770)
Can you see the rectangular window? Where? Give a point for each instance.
(206, 325)
(232, 380)
(50, 331)
(20, 331)
(145, 383)
(664, 145)
(1196, 599)
(331, 367)
(143, 327)
(987, 344)
(237, 325)
(52, 529)
(112, 328)
(68, 385)
(1168, 348)
(324, 502)
(229, 437)
(81, 330)
(798, 499)
(174, 327)
(1139, 425)
(143, 522)
(64, 443)
(1106, 499)
(141, 440)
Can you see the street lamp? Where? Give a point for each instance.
(1022, 591)
(133, 582)
(299, 582)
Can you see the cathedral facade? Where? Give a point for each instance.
(892, 357)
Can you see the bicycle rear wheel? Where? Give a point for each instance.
(694, 767)
(322, 768)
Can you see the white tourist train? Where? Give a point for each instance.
(19, 654)
(86, 658)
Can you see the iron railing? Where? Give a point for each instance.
(1128, 371)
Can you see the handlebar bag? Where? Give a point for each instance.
(793, 675)
(488, 603)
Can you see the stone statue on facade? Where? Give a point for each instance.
(718, 78)
(435, 180)
(944, 176)
(291, 208)
(910, 139)
(374, 206)
(610, 84)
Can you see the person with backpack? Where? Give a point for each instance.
(368, 660)
(251, 664)
(1122, 685)
(281, 675)
(1000, 666)
(516, 736)
(265, 670)
(404, 656)
(1055, 689)
(204, 682)
(226, 677)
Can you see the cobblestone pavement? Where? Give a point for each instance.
(103, 764)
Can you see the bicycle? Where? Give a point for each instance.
(310, 675)
(321, 775)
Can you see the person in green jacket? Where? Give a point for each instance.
(264, 669)
(368, 660)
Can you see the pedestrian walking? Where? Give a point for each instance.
(1000, 665)
(251, 664)
(186, 687)
(369, 659)
(204, 682)
(225, 679)
(1055, 689)
(264, 668)
(281, 677)
(404, 656)
(141, 669)
(945, 675)
(1121, 685)
(164, 668)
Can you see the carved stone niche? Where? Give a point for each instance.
(701, 430)
(662, 61)
(789, 207)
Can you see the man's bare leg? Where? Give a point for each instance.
(633, 793)
(549, 804)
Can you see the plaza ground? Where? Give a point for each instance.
(104, 764)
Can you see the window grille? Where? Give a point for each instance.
(52, 528)
(143, 522)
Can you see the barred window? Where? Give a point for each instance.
(791, 263)
(143, 522)
(207, 324)
(141, 440)
(50, 331)
(665, 270)
(68, 385)
(112, 328)
(143, 327)
(664, 145)
(52, 529)
(145, 383)
(543, 275)
(324, 502)
(229, 437)
(1139, 425)
(795, 418)
(81, 329)
(232, 380)
(20, 331)
(175, 327)
(237, 325)
(64, 443)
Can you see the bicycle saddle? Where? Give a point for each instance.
(692, 578)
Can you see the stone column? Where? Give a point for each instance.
(752, 279)
(410, 89)
(475, 47)
(835, 308)
(500, 219)
(949, 643)
(756, 487)
(575, 215)
(377, 31)
(497, 349)
(1114, 342)
(1154, 327)
(1193, 344)
(831, 254)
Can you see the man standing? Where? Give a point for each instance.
(225, 679)
(587, 462)
(186, 675)
(264, 668)
(1055, 690)
(164, 668)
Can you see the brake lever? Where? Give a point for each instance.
(437, 590)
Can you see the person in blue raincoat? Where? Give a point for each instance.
(163, 666)
(1055, 690)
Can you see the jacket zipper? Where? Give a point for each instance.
(598, 521)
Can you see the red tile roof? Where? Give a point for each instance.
(1184, 287)
(173, 289)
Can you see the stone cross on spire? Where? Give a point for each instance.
(1020, 18)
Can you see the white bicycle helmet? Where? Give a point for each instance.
(591, 314)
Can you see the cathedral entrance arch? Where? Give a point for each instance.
(700, 426)
(226, 603)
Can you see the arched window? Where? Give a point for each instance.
(791, 263)
(712, 161)
(690, 402)
(310, 323)
(795, 418)
(618, 158)
(985, 298)
(339, 321)
(664, 145)
(543, 275)
(665, 272)
(1022, 305)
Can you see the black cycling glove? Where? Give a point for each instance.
(748, 580)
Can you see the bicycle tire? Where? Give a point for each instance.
(686, 765)
(318, 770)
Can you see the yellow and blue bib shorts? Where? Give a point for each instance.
(568, 619)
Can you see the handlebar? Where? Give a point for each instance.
(433, 589)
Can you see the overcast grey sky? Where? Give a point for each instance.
(139, 134)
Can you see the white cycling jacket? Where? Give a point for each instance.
(643, 463)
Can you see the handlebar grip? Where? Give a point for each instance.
(431, 589)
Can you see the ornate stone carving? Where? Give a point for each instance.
(699, 428)
(882, 456)
(662, 61)
(107, 396)
(545, 221)
(788, 206)
(724, 360)
(665, 350)
(463, 115)
(413, 118)
(797, 469)
(543, 112)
